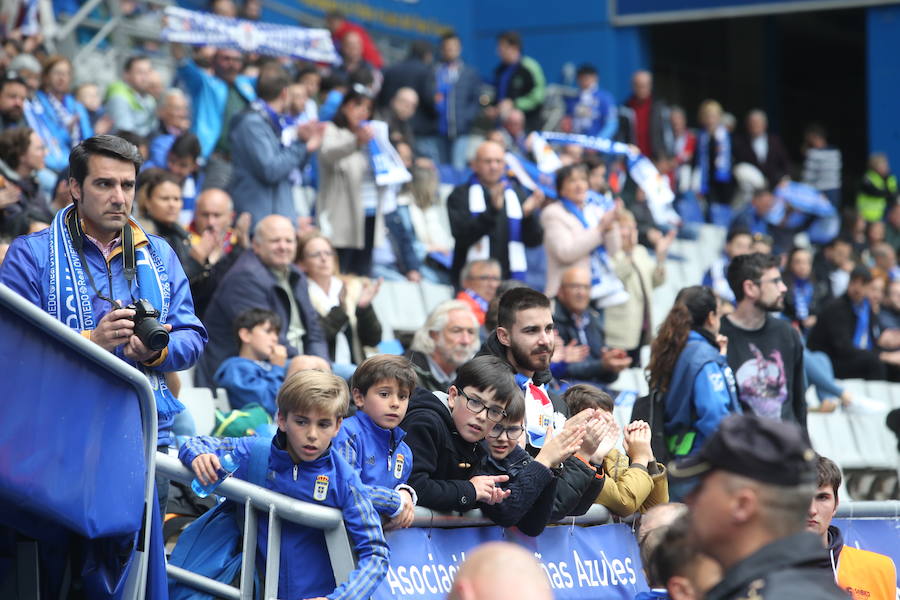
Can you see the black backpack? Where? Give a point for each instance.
(652, 409)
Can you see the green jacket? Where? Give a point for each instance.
(874, 193)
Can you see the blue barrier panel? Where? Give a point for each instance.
(876, 535)
(71, 444)
(599, 562)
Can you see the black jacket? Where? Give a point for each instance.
(833, 335)
(443, 462)
(776, 165)
(533, 489)
(418, 75)
(786, 568)
(467, 228)
(591, 368)
(427, 379)
(580, 483)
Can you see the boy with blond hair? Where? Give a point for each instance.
(372, 438)
(301, 464)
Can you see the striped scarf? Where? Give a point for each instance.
(481, 249)
(69, 298)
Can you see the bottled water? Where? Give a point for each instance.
(229, 466)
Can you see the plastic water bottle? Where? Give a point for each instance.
(229, 466)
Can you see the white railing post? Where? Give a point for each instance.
(248, 560)
(273, 555)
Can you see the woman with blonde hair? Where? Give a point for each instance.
(344, 303)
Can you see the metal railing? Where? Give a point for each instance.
(279, 508)
(135, 585)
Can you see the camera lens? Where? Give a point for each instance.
(151, 333)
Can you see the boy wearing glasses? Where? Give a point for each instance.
(532, 481)
(445, 432)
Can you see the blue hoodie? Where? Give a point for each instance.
(381, 457)
(701, 392)
(305, 570)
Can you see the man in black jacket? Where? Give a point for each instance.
(847, 331)
(491, 217)
(580, 324)
(524, 339)
(749, 510)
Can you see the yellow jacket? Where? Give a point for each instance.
(865, 575)
(629, 489)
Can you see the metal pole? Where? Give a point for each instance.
(98, 37)
(222, 590)
(248, 560)
(273, 555)
(340, 552)
(76, 19)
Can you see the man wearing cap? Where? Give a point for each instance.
(757, 477)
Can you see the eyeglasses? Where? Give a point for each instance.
(775, 280)
(486, 278)
(577, 286)
(512, 433)
(320, 254)
(494, 413)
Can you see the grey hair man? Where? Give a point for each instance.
(448, 339)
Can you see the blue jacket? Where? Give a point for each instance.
(48, 125)
(250, 284)
(305, 569)
(208, 96)
(248, 381)
(259, 183)
(701, 392)
(366, 447)
(26, 270)
(593, 112)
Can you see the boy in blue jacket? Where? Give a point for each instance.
(311, 405)
(372, 440)
(255, 375)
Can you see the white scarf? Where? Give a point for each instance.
(481, 250)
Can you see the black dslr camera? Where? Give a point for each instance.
(147, 326)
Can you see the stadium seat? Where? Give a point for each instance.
(200, 403)
(875, 441)
(221, 400)
(187, 378)
(399, 306)
(433, 294)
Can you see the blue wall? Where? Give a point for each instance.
(883, 74)
(569, 31)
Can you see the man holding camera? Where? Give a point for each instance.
(98, 272)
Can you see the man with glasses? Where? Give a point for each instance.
(587, 357)
(765, 353)
(478, 283)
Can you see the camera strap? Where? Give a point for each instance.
(76, 232)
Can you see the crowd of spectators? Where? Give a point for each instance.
(258, 175)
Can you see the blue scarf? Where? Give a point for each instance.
(69, 299)
(598, 255)
(803, 295)
(722, 160)
(481, 250)
(446, 77)
(503, 81)
(483, 304)
(861, 337)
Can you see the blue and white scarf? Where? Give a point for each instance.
(722, 160)
(481, 250)
(65, 115)
(483, 304)
(446, 76)
(606, 288)
(69, 298)
(204, 29)
(387, 165)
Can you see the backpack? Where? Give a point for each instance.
(652, 409)
(242, 422)
(211, 545)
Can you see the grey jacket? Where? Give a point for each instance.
(260, 182)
